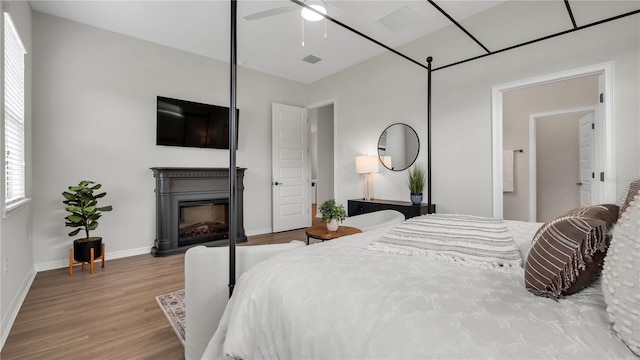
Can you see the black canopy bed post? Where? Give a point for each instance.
(233, 180)
(429, 59)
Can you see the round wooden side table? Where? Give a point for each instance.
(320, 232)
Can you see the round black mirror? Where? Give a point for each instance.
(398, 147)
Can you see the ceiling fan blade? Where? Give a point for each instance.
(271, 12)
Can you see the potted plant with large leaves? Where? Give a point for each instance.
(332, 213)
(82, 203)
(416, 182)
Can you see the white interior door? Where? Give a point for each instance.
(585, 143)
(290, 168)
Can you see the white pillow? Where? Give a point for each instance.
(474, 240)
(621, 276)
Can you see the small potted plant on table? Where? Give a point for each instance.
(332, 213)
(416, 183)
(82, 204)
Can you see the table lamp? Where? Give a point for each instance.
(367, 165)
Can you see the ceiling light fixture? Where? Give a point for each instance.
(311, 15)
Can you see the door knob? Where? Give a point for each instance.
(579, 183)
(277, 183)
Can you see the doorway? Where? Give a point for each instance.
(321, 151)
(560, 162)
(302, 163)
(603, 188)
(290, 168)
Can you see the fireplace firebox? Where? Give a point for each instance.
(201, 221)
(192, 208)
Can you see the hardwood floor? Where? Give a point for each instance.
(111, 314)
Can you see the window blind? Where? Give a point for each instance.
(14, 53)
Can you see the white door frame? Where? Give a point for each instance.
(605, 145)
(533, 118)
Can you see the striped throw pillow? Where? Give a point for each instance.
(472, 239)
(568, 252)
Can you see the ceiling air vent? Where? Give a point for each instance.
(311, 59)
(399, 19)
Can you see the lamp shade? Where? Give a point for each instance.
(366, 164)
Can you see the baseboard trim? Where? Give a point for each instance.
(16, 304)
(58, 264)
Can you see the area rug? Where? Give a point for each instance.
(172, 305)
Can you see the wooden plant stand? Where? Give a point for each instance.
(73, 262)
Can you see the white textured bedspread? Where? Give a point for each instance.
(337, 300)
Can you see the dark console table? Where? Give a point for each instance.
(361, 206)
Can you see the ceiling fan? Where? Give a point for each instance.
(271, 12)
(306, 13)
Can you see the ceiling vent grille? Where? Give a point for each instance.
(311, 59)
(398, 20)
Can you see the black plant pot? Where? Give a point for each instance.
(416, 199)
(82, 248)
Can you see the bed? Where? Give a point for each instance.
(344, 299)
(359, 298)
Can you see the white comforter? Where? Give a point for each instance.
(337, 300)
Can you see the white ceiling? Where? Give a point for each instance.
(273, 44)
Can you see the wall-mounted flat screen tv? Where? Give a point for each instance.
(191, 124)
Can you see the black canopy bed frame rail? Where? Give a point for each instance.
(232, 113)
(487, 51)
(233, 129)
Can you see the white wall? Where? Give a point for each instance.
(95, 119)
(16, 236)
(387, 89)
